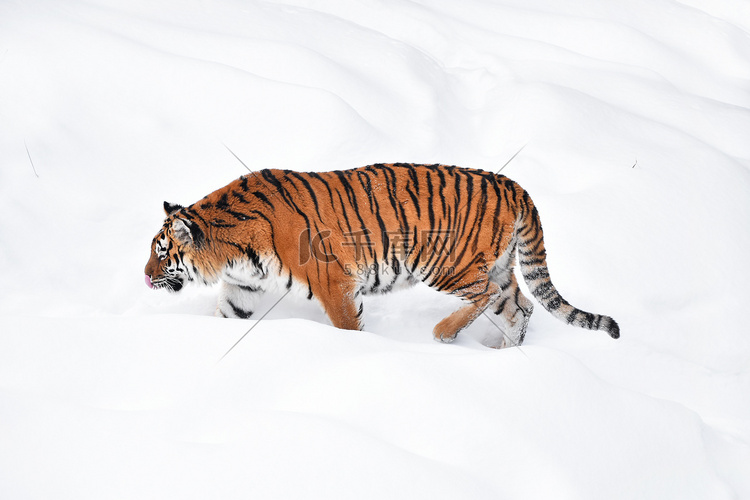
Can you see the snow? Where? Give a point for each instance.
(635, 116)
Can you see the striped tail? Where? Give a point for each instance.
(533, 260)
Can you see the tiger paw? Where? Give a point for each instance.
(444, 337)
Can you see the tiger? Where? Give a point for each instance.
(340, 235)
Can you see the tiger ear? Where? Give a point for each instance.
(187, 232)
(171, 208)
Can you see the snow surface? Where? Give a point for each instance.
(636, 116)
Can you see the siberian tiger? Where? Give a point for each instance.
(337, 236)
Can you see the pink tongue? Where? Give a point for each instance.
(148, 282)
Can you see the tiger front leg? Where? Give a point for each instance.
(342, 303)
(237, 301)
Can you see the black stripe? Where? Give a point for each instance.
(430, 210)
(239, 196)
(253, 256)
(545, 290)
(537, 273)
(441, 176)
(589, 321)
(499, 308)
(414, 199)
(239, 312)
(221, 223)
(262, 197)
(223, 203)
(361, 310)
(238, 215)
(554, 304)
(572, 316)
(414, 178)
(310, 190)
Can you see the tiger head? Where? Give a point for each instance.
(172, 250)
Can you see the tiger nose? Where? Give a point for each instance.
(148, 281)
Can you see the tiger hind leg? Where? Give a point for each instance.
(513, 310)
(448, 328)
